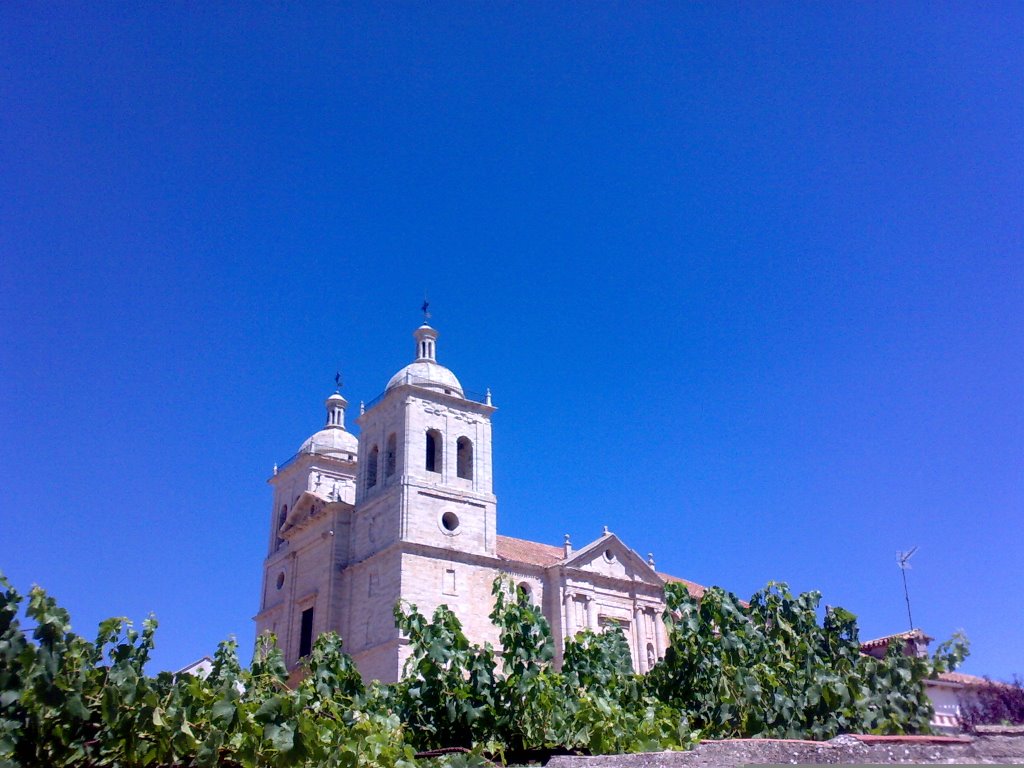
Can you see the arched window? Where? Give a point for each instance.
(464, 458)
(527, 590)
(391, 456)
(371, 467)
(281, 517)
(435, 451)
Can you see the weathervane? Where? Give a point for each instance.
(337, 381)
(903, 561)
(425, 310)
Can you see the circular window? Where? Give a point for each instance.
(280, 579)
(609, 556)
(450, 522)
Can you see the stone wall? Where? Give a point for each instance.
(843, 750)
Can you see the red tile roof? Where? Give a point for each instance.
(532, 552)
(535, 553)
(881, 642)
(965, 679)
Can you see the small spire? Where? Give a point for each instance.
(650, 559)
(362, 407)
(605, 532)
(335, 405)
(487, 398)
(275, 468)
(426, 344)
(567, 546)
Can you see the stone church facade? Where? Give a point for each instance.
(407, 511)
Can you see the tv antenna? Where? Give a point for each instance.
(903, 561)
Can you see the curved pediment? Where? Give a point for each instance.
(308, 508)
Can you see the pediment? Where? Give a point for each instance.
(308, 508)
(609, 557)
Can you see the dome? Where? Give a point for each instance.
(428, 374)
(333, 440)
(424, 371)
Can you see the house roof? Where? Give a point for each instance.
(964, 679)
(882, 642)
(544, 555)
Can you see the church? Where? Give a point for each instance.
(407, 511)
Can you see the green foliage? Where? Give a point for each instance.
(67, 701)
(447, 696)
(531, 710)
(766, 668)
(453, 694)
(769, 669)
(613, 713)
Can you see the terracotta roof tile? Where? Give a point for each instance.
(535, 553)
(532, 552)
(878, 642)
(965, 679)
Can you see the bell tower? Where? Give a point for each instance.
(424, 506)
(425, 459)
(311, 516)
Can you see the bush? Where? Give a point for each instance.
(769, 669)
(993, 703)
(67, 701)
(766, 668)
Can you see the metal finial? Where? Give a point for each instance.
(425, 309)
(337, 381)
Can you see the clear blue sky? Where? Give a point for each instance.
(746, 282)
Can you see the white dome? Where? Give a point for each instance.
(332, 441)
(428, 374)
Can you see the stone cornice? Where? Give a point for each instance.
(571, 577)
